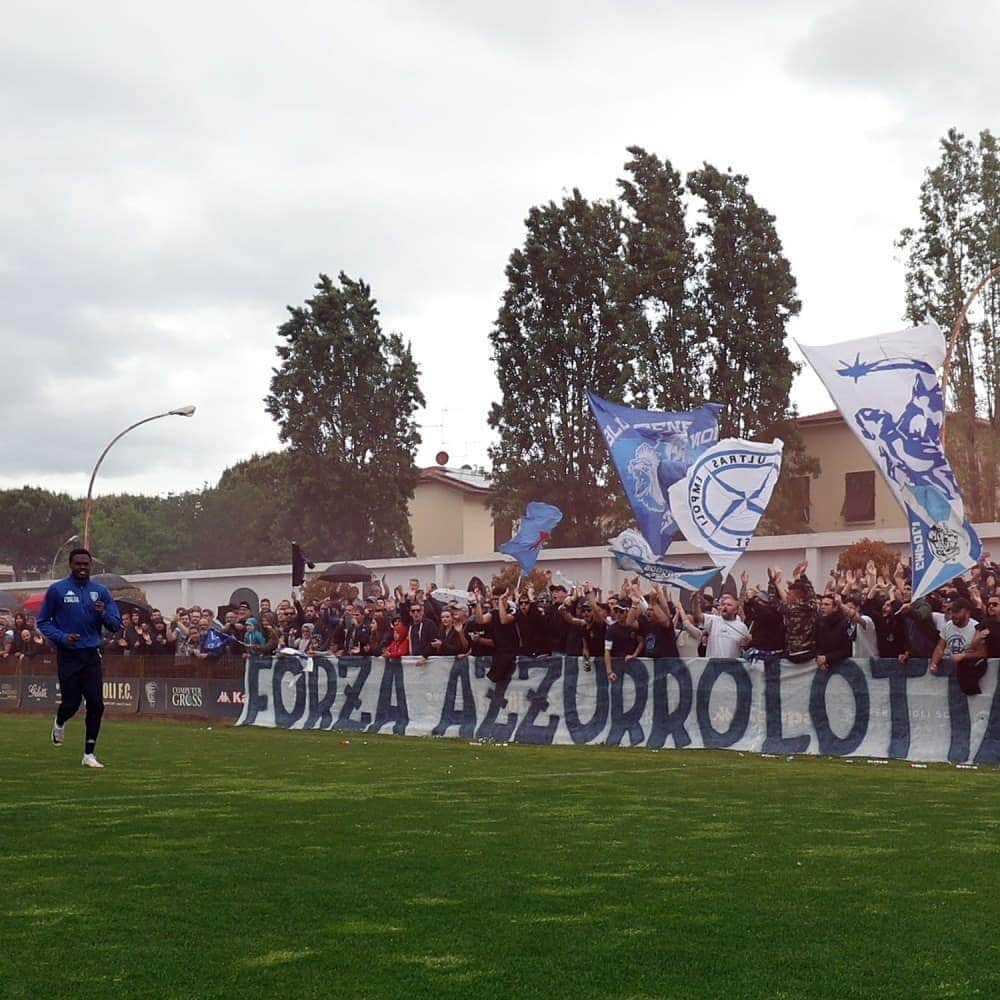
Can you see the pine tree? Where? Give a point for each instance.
(344, 396)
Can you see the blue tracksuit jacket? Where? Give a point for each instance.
(69, 607)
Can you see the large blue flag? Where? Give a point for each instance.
(532, 533)
(652, 450)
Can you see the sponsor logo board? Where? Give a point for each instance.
(39, 692)
(228, 698)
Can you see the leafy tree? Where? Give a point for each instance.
(139, 534)
(35, 523)
(955, 245)
(567, 323)
(629, 301)
(745, 295)
(661, 270)
(344, 396)
(246, 520)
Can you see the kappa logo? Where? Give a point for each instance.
(729, 491)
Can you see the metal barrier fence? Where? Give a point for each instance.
(148, 685)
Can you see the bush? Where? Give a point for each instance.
(509, 572)
(857, 556)
(316, 590)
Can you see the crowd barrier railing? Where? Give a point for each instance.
(148, 685)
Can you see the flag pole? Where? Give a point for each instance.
(946, 367)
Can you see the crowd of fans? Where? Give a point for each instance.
(855, 615)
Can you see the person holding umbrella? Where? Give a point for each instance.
(72, 615)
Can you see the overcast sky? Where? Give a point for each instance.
(170, 184)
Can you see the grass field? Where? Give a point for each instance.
(245, 862)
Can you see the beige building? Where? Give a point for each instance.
(450, 513)
(849, 493)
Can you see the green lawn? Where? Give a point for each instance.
(245, 862)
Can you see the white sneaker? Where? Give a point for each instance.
(90, 760)
(58, 734)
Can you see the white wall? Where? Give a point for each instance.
(212, 587)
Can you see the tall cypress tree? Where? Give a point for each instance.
(955, 245)
(568, 322)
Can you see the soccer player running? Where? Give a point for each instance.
(71, 618)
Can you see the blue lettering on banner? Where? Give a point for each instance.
(829, 741)
(958, 714)
(736, 669)
(667, 722)
(352, 693)
(623, 721)
(584, 732)
(989, 749)
(389, 710)
(451, 714)
(289, 677)
(857, 707)
(897, 675)
(256, 700)
(775, 742)
(527, 731)
(321, 706)
(490, 729)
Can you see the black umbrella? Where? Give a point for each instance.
(133, 604)
(112, 581)
(345, 572)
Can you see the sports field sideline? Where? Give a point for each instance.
(216, 862)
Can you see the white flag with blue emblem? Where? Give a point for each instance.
(633, 554)
(723, 496)
(888, 391)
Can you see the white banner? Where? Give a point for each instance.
(888, 391)
(724, 494)
(873, 708)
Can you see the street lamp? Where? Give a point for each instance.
(55, 558)
(182, 411)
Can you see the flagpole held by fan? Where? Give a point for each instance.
(956, 327)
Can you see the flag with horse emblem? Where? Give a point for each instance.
(651, 451)
(888, 391)
(533, 531)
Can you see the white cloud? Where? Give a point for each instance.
(178, 180)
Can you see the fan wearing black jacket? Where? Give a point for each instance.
(833, 637)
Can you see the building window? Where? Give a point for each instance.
(798, 492)
(859, 497)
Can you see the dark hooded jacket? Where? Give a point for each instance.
(833, 637)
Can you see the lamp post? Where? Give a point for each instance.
(55, 558)
(183, 411)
